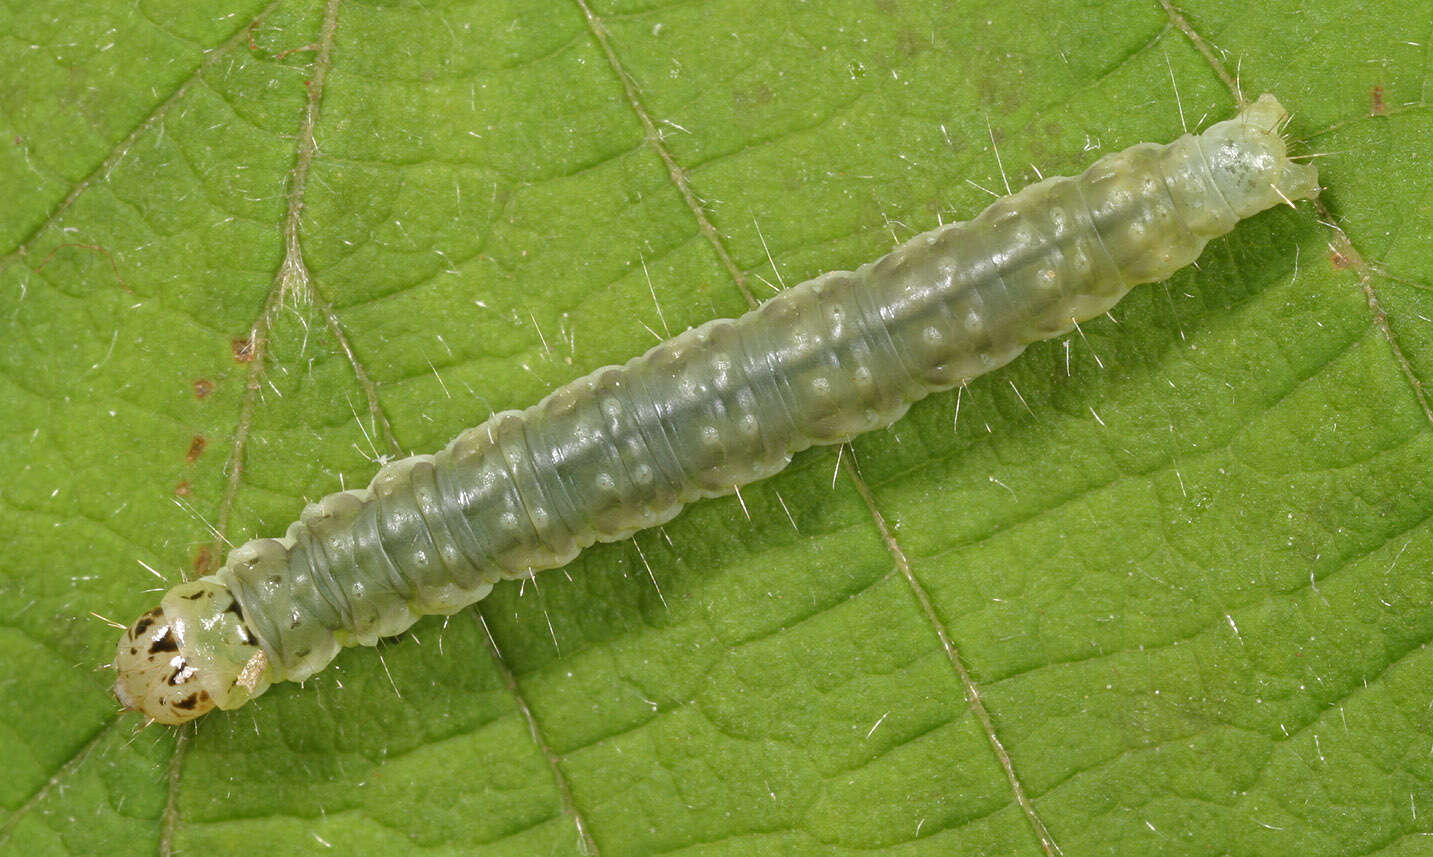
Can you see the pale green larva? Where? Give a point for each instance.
(700, 415)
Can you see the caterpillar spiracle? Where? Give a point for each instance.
(699, 415)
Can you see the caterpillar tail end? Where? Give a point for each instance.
(191, 654)
(1295, 180)
(1248, 159)
(1298, 181)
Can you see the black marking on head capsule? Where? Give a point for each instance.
(246, 634)
(166, 643)
(143, 622)
(197, 595)
(180, 675)
(194, 700)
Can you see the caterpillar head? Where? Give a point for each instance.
(190, 654)
(1249, 160)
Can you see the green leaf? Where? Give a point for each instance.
(1171, 599)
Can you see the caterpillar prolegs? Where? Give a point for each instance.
(699, 415)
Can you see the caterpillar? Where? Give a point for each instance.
(721, 405)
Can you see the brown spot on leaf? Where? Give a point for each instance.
(243, 349)
(182, 489)
(196, 448)
(204, 560)
(203, 387)
(1376, 107)
(1339, 260)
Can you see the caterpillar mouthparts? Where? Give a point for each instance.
(626, 447)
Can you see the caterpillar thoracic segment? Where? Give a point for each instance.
(705, 412)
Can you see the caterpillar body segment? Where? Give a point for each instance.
(626, 447)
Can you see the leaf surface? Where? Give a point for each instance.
(1158, 588)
